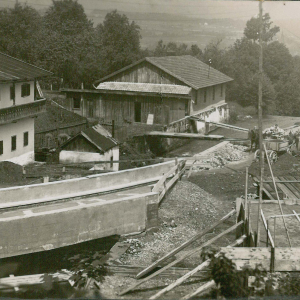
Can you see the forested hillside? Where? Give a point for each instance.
(64, 41)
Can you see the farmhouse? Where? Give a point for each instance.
(93, 144)
(155, 90)
(20, 103)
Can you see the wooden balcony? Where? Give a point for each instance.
(17, 112)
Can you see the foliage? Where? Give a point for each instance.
(119, 41)
(230, 282)
(251, 31)
(18, 28)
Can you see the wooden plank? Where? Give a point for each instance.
(189, 253)
(289, 190)
(191, 273)
(221, 124)
(184, 135)
(286, 192)
(293, 186)
(246, 253)
(184, 245)
(265, 225)
(296, 215)
(200, 290)
(170, 184)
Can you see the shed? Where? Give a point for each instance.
(94, 144)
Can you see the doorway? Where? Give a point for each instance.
(137, 112)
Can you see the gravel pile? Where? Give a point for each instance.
(186, 210)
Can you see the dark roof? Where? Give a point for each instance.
(145, 87)
(56, 117)
(97, 136)
(14, 69)
(186, 68)
(103, 143)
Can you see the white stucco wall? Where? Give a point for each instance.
(68, 157)
(5, 100)
(22, 154)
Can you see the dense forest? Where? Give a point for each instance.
(64, 41)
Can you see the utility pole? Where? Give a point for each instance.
(261, 150)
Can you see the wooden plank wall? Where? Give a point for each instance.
(146, 73)
(121, 109)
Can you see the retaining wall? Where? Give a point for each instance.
(85, 185)
(53, 226)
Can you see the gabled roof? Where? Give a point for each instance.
(145, 87)
(56, 117)
(12, 69)
(98, 136)
(186, 68)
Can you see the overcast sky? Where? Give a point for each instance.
(201, 8)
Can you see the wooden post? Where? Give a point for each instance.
(261, 152)
(272, 260)
(113, 128)
(267, 233)
(246, 194)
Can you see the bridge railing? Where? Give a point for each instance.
(164, 184)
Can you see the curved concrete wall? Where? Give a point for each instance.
(85, 185)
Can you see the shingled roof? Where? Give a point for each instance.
(96, 135)
(13, 69)
(145, 87)
(186, 68)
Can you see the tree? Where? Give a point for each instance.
(67, 17)
(119, 42)
(68, 44)
(252, 29)
(19, 27)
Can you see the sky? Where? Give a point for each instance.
(279, 10)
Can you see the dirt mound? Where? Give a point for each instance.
(10, 172)
(285, 165)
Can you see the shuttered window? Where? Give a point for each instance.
(13, 143)
(25, 90)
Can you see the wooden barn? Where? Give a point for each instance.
(154, 90)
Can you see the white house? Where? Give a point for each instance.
(94, 144)
(20, 102)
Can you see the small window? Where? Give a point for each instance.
(1, 147)
(25, 90)
(76, 102)
(204, 96)
(12, 92)
(222, 90)
(214, 92)
(13, 143)
(111, 161)
(25, 139)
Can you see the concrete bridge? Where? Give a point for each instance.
(45, 216)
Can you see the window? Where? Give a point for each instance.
(111, 161)
(137, 111)
(25, 90)
(204, 96)
(25, 138)
(12, 92)
(13, 143)
(214, 92)
(1, 147)
(76, 102)
(222, 90)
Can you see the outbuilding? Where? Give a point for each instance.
(94, 144)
